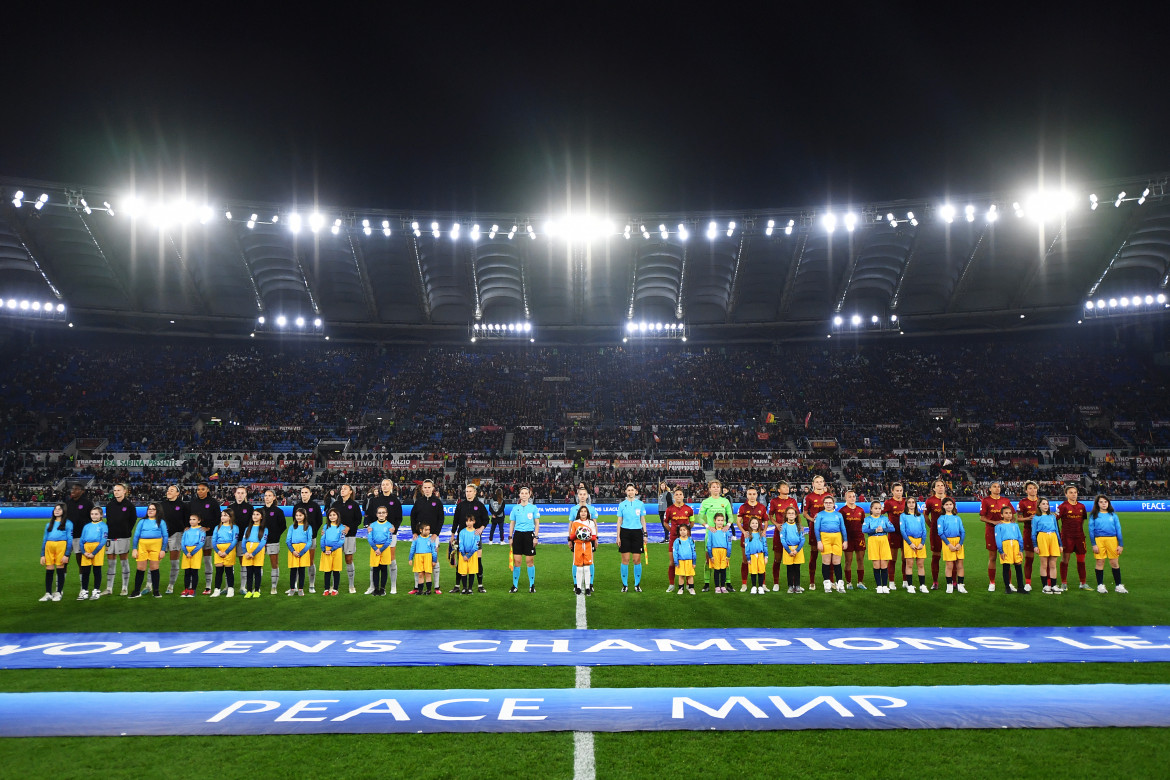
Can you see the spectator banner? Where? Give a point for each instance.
(940, 411)
(671, 464)
(1069, 477)
(586, 647)
(226, 463)
(1160, 424)
(1124, 424)
(578, 415)
(824, 444)
(342, 465)
(411, 464)
(478, 463)
(597, 463)
(1150, 460)
(969, 425)
(1058, 441)
(1089, 410)
(559, 463)
(56, 714)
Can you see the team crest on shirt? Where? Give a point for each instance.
(529, 515)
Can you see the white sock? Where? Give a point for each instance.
(435, 576)
(275, 574)
(393, 578)
(109, 575)
(174, 571)
(126, 575)
(371, 576)
(349, 573)
(207, 570)
(312, 576)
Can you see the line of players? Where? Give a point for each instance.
(215, 536)
(199, 533)
(848, 534)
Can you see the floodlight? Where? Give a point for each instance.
(631, 326)
(281, 321)
(435, 229)
(1149, 299)
(1124, 302)
(205, 215)
(683, 234)
(788, 228)
(712, 230)
(24, 305)
(947, 212)
(850, 222)
(528, 327)
(317, 322)
(294, 222)
(1093, 202)
(300, 322)
(1089, 305)
(1120, 197)
(855, 319)
(11, 303)
(893, 318)
(662, 232)
(730, 229)
(475, 232)
(874, 319)
(60, 308)
(837, 321)
(260, 319)
(992, 213)
(829, 221)
(1112, 303)
(455, 231)
(1160, 298)
(642, 327)
(36, 305)
(316, 221)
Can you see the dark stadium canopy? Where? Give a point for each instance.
(217, 275)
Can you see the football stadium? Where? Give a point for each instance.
(855, 487)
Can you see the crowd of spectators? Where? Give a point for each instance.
(874, 403)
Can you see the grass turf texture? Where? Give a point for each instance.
(968, 753)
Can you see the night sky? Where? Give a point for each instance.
(645, 109)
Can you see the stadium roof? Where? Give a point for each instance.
(780, 274)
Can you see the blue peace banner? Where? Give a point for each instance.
(586, 647)
(592, 709)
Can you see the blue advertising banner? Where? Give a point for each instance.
(586, 647)
(590, 709)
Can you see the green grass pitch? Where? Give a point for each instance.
(963, 753)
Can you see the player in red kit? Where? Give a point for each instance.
(776, 509)
(749, 509)
(1072, 514)
(677, 515)
(931, 514)
(814, 502)
(1026, 509)
(990, 512)
(855, 550)
(894, 508)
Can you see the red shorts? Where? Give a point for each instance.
(895, 542)
(855, 537)
(776, 545)
(1028, 546)
(989, 539)
(935, 539)
(1073, 544)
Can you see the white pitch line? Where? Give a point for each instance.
(584, 767)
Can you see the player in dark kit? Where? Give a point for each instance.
(428, 510)
(748, 510)
(1026, 509)
(894, 508)
(931, 514)
(677, 515)
(776, 509)
(990, 512)
(350, 511)
(469, 506)
(313, 515)
(814, 502)
(207, 508)
(1072, 514)
(855, 539)
(387, 496)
